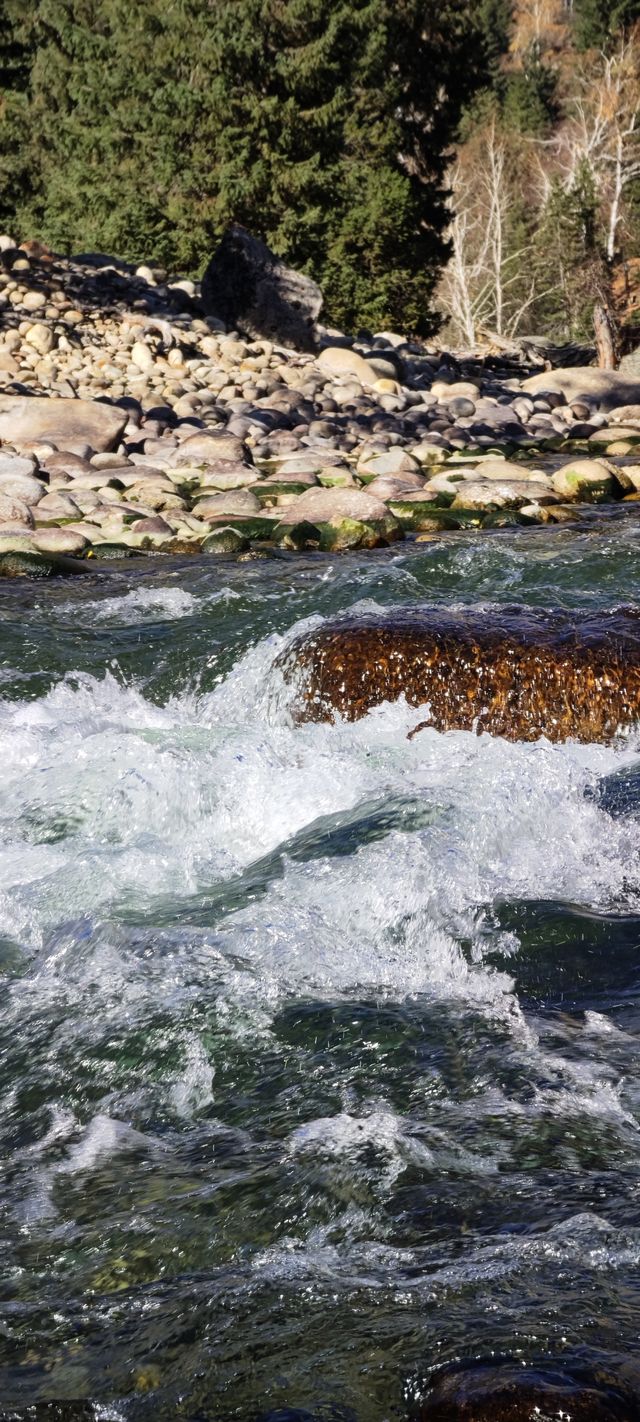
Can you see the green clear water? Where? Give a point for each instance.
(318, 1047)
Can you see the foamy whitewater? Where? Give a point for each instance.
(318, 1045)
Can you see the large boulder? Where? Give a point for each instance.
(209, 445)
(60, 540)
(502, 494)
(624, 414)
(588, 480)
(516, 673)
(395, 463)
(22, 487)
(15, 466)
(251, 290)
(492, 468)
(340, 361)
(628, 477)
(605, 389)
(29, 419)
(319, 505)
(14, 509)
(224, 474)
(234, 501)
(312, 461)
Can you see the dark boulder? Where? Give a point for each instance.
(253, 291)
(510, 1391)
(514, 672)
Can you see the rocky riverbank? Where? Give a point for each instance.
(132, 423)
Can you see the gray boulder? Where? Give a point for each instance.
(322, 505)
(235, 501)
(30, 491)
(253, 291)
(589, 480)
(604, 389)
(15, 511)
(502, 494)
(62, 422)
(209, 445)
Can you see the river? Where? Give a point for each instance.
(318, 1047)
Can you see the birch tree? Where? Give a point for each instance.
(485, 287)
(539, 25)
(603, 131)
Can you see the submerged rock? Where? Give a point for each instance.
(325, 1413)
(510, 1391)
(517, 673)
(225, 540)
(31, 563)
(63, 1410)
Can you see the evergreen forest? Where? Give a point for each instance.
(474, 162)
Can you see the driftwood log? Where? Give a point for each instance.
(515, 672)
(538, 351)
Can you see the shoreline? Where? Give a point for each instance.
(131, 424)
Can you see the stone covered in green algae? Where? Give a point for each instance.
(225, 540)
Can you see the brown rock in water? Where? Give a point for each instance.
(517, 672)
(249, 288)
(509, 1391)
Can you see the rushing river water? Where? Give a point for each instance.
(318, 1046)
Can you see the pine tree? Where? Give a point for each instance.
(493, 18)
(567, 262)
(15, 60)
(528, 102)
(335, 142)
(107, 126)
(599, 22)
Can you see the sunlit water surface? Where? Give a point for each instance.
(318, 1047)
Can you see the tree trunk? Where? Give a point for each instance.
(614, 214)
(606, 337)
(605, 324)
